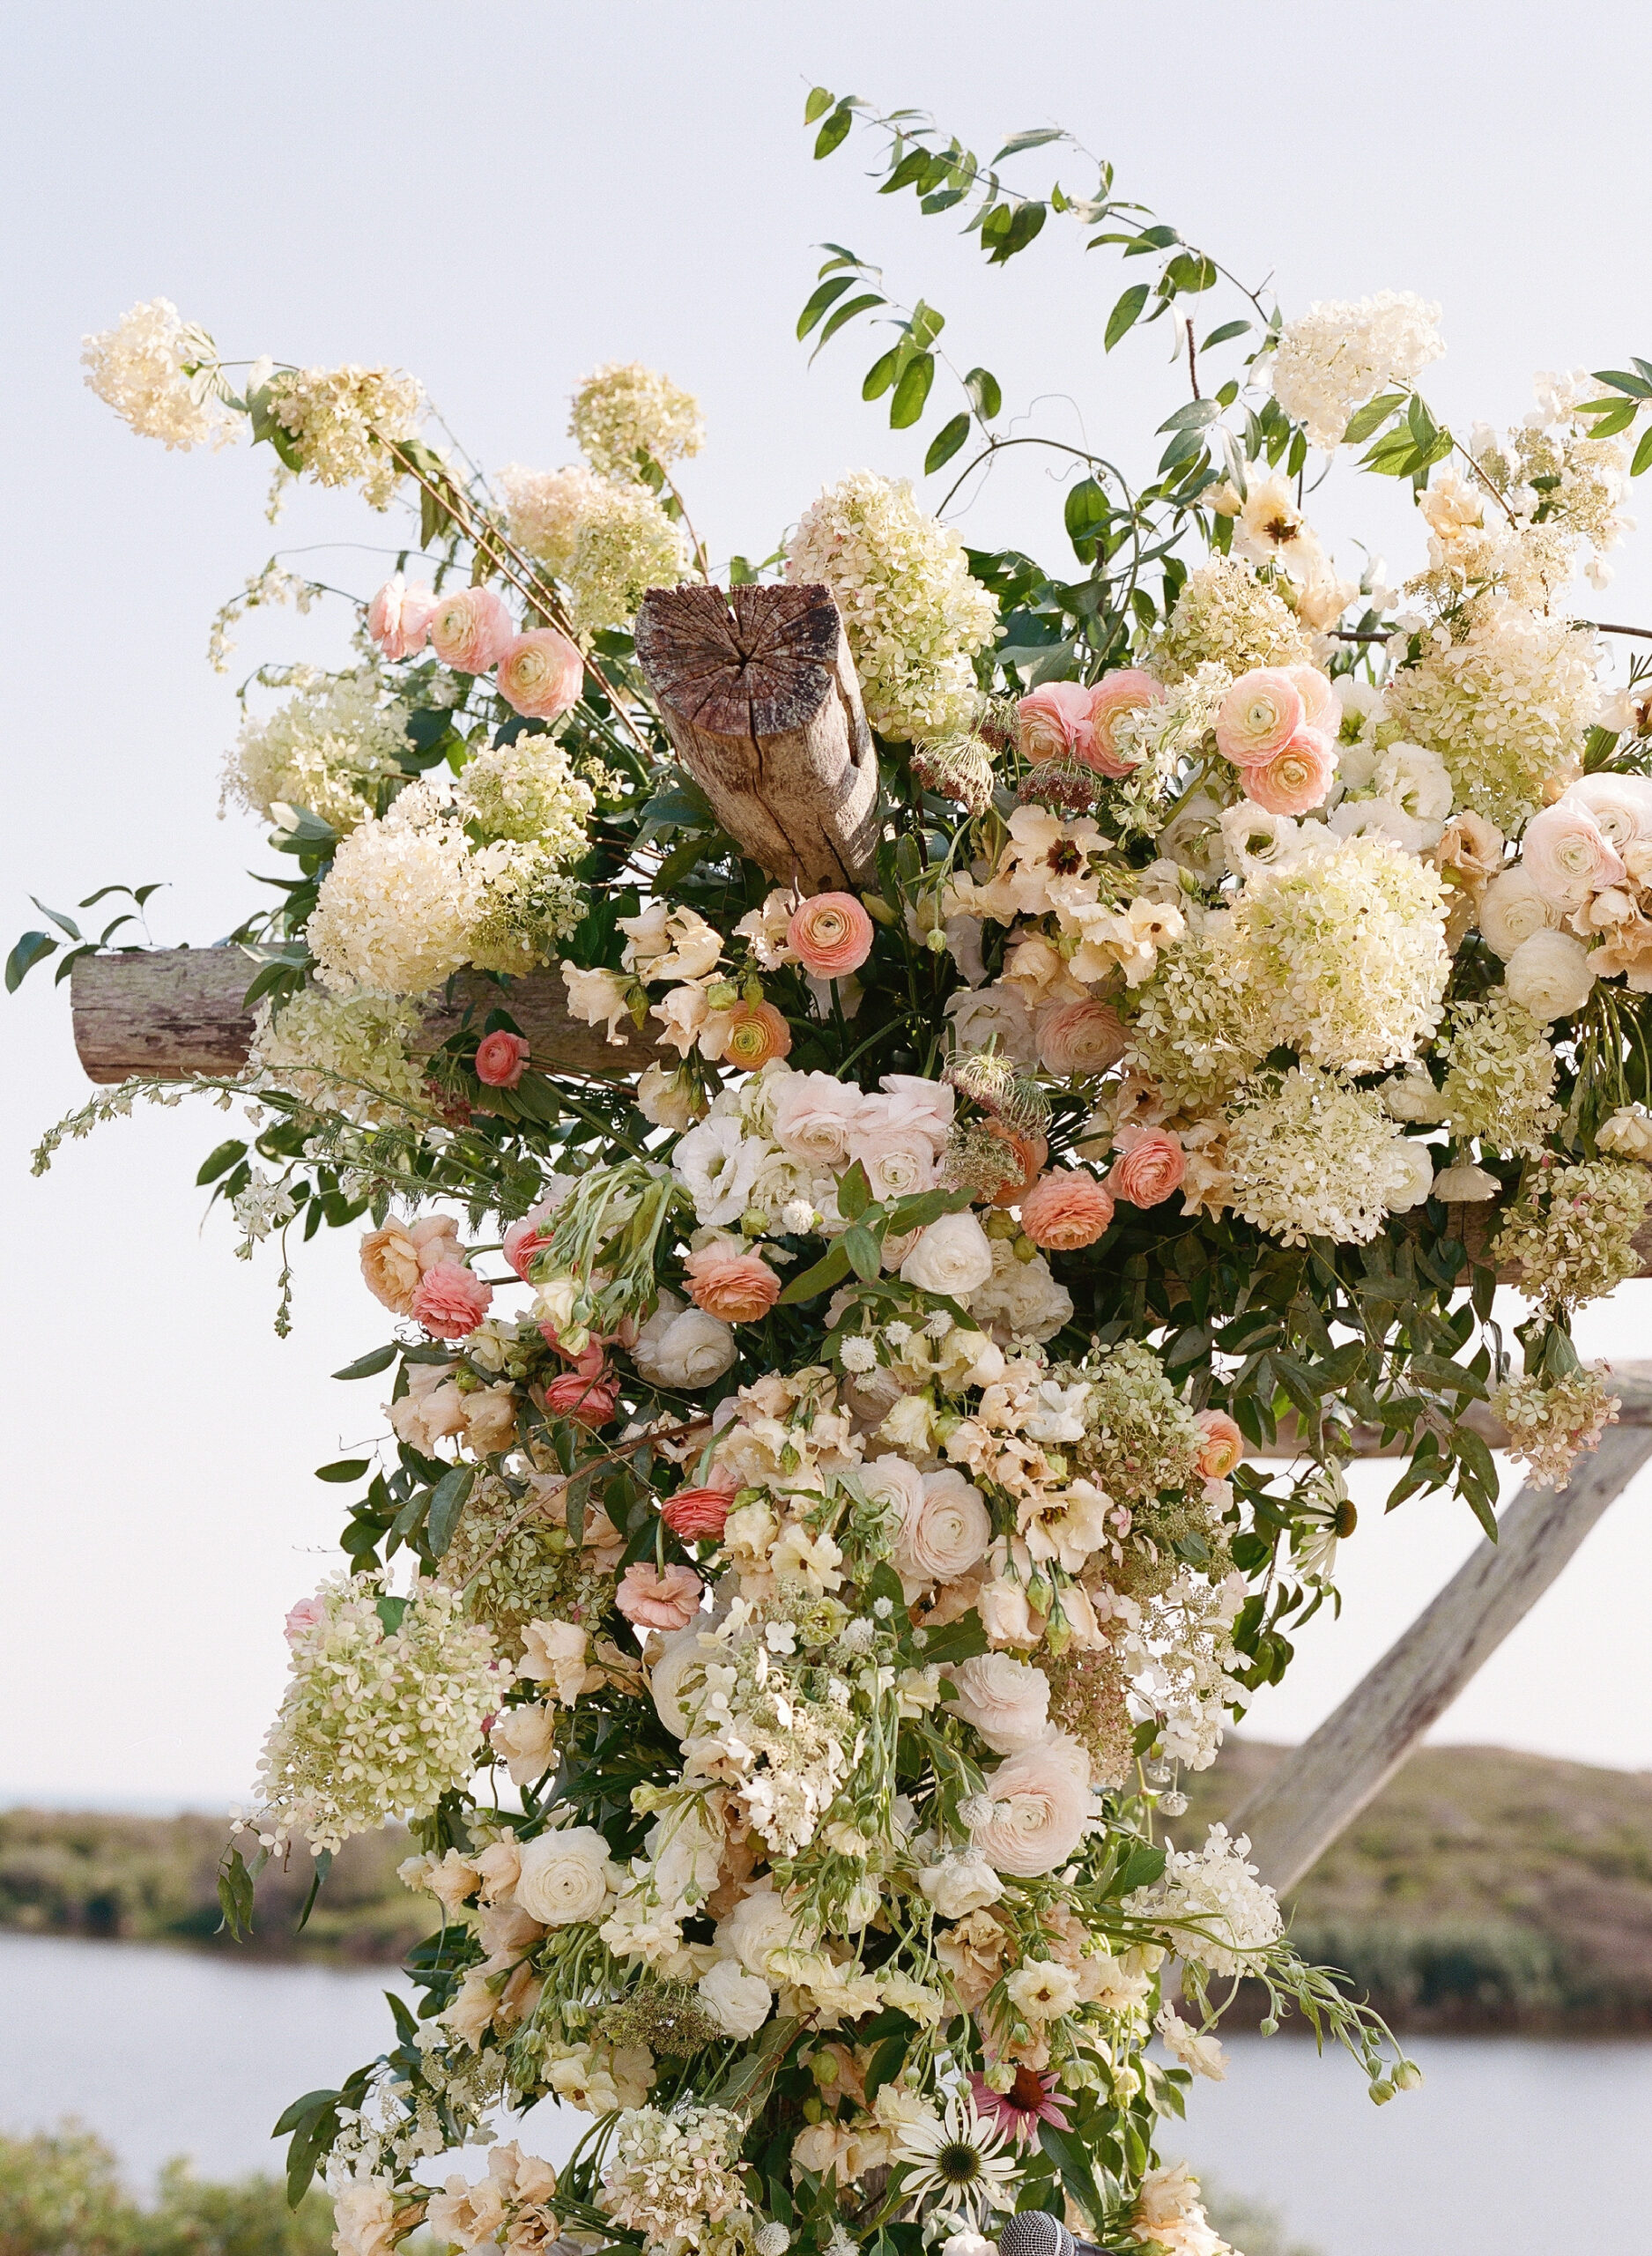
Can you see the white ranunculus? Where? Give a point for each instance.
(1550, 975)
(1410, 1094)
(678, 1654)
(1567, 857)
(947, 1534)
(761, 1924)
(682, 1346)
(1409, 1175)
(954, 1255)
(1512, 909)
(1039, 1805)
(1379, 818)
(738, 2002)
(813, 1116)
(1620, 805)
(993, 1017)
(564, 1876)
(1411, 776)
(1006, 1700)
(718, 1163)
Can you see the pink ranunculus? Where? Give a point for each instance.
(501, 1059)
(697, 1515)
(652, 1600)
(541, 674)
(831, 935)
(1258, 717)
(303, 1617)
(1321, 708)
(1080, 1038)
(470, 630)
(398, 617)
(1127, 691)
(1054, 720)
(1296, 778)
(1151, 1163)
(524, 1242)
(1065, 1209)
(451, 1300)
(1040, 1804)
(1567, 857)
(1221, 1444)
(588, 1396)
(738, 1288)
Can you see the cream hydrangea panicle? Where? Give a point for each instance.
(1226, 615)
(343, 423)
(377, 1722)
(1338, 354)
(347, 1053)
(395, 911)
(1552, 1422)
(1211, 1905)
(159, 374)
(1500, 1076)
(527, 790)
(670, 2178)
(332, 747)
(545, 509)
(624, 546)
(1572, 1231)
(913, 615)
(1307, 1155)
(625, 416)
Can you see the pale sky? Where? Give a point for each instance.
(499, 199)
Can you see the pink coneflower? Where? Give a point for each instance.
(1030, 2100)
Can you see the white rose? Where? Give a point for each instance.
(954, 1255)
(761, 1924)
(1006, 1700)
(1550, 975)
(1628, 1132)
(1022, 1300)
(1408, 1175)
(1512, 909)
(993, 1017)
(717, 1164)
(1465, 1185)
(564, 1876)
(959, 1885)
(1380, 819)
(947, 1534)
(892, 1481)
(738, 2002)
(1412, 1096)
(1567, 856)
(899, 1158)
(682, 1346)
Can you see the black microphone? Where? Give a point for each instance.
(1034, 2232)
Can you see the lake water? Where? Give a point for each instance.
(1511, 2149)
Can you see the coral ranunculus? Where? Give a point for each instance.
(589, 1398)
(757, 1031)
(739, 1287)
(652, 1600)
(472, 630)
(541, 674)
(1149, 1166)
(1296, 778)
(830, 935)
(451, 1300)
(1221, 1444)
(501, 1059)
(697, 1515)
(1065, 1209)
(1127, 691)
(1031, 1152)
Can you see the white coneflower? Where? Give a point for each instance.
(959, 2155)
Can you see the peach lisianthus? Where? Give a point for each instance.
(1221, 1444)
(540, 674)
(1065, 1209)
(451, 1300)
(399, 617)
(653, 1599)
(1296, 778)
(1258, 717)
(738, 1288)
(470, 630)
(1151, 1164)
(1127, 691)
(831, 935)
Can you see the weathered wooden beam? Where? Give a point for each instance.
(179, 1011)
(758, 691)
(1321, 1786)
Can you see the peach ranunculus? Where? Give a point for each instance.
(1079, 1039)
(756, 1033)
(814, 1116)
(739, 1287)
(1221, 1444)
(1064, 1209)
(451, 1300)
(652, 1600)
(1296, 778)
(1151, 1163)
(1031, 1151)
(501, 1059)
(697, 1515)
(831, 935)
(470, 630)
(1258, 717)
(389, 1267)
(398, 617)
(1127, 691)
(1040, 1804)
(1321, 708)
(1053, 721)
(897, 1155)
(541, 674)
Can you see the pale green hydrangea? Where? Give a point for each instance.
(1310, 1156)
(331, 748)
(346, 1053)
(528, 791)
(1499, 1077)
(545, 509)
(625, 416)
(1552, 1421)
(1226, 615)
(626, 545)
(1573, 1231)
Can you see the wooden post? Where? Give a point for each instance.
(758, 689)
(1321, 1786)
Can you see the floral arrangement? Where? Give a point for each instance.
(828, 1472)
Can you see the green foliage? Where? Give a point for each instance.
(61, 2195)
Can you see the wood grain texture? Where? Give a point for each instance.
(758, 690)
(176, 1012)
(1324, 1784)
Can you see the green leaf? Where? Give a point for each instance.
(826, 295)
(985, 392)
(881, 374)
(221, 1160)
(1642, 453)
(818, 104)
(1228, 331)
(847, 312)
(1615, 418)
(447, 1501)
(1620, 379)
(832, 131)
(1086, 510)
(389, 1611)
(344, 1468)
(302, 2110)
(864, 1252)
(946, 443)
(1193, 415)
(28, 951)
(912, 391)
(63, 923)
(953, 1642)
(854, 1192)
(1372, 416)
(1140, 1869)
(1125, 314)
(1037, 138)
(235, 1897)
(832, 1271)
(370, 1365)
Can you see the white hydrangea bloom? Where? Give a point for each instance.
(1227, 616)
(342, 421)
(396, 910)
(625, 544)
(137, 367)
(545, 509)
(1212, 1905)
(345, 1052)
(912, 613)
(626, 413)
(528, 791)
(1338, 354)
(325, 749)
(1308, 1156)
